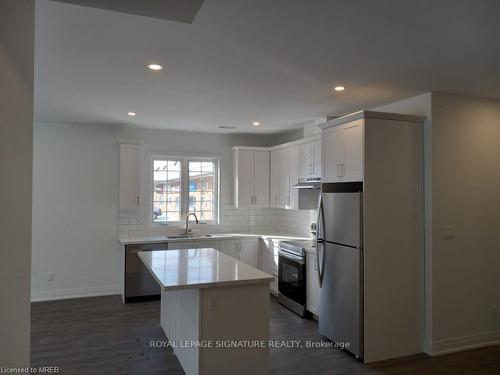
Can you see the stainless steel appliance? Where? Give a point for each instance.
(340, 264)
(139, 283)
(292, 275)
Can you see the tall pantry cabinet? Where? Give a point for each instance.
(385, 152)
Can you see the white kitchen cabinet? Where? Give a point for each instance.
(342, 152)
(207, 244)
(316, 171)
(251, 177)
(352, 137)
(294, 176)
(310, 159)
(284, 178)
(312, 284)
(280, 178)
(245, 250)
(275, 178)
(129, 176)
(268, 254)
(249, 252)
(230, 248)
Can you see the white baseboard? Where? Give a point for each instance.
(458, 344)
(52, 295)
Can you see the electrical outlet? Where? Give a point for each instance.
(52, 276)
(448, 232)
(213, 303)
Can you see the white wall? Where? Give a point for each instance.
(462, 151)
(75, 198)
(465, 191)
(16, 130)
(421, 105)
(75, 208)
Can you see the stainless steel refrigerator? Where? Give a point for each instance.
(340, 264)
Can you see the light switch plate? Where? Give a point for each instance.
(448, 232)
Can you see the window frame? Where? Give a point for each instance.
(184, 202)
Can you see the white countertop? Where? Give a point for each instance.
(199, 268)
(201, 237)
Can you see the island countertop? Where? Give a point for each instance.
(199, 268)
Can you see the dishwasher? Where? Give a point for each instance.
(139, 283)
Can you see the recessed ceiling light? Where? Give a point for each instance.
(256, 123)
(339, 88)
(155, 67)
(131, 114)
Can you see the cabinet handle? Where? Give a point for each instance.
(255, 199)
(339, 171)
(138, 201)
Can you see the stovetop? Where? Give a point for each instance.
(297, 247)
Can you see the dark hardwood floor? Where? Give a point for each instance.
(102, 336)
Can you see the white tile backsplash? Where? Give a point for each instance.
(233, 219)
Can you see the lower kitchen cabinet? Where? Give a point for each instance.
(249, 252)
(269, 260)
(312, 284)
(245, 250)
(207, 244)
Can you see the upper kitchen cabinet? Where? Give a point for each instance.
(251, 177)
(275, 178)
(342, 151)
(280, 177)
(294, 177)
(310, 159)
(129, 176)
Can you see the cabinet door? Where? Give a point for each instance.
(129, 176)
(352, 139)
(230, 248)
(316, 158)
(207, 244)
(267, 261)
(312, 284)
(294, 176)
(332, 154)
(306, 159)
(275, 178)
(245, 178)
(261, 179)
(249, 252)
(284, 192)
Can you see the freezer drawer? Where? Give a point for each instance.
(340, 313)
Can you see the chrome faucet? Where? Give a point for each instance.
(187, 221)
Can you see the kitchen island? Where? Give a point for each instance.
(214, 310)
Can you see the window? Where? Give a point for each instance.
(182, 185)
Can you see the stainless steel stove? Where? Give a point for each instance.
(292, 275)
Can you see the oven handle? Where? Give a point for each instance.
(295, 258)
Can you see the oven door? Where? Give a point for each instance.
(292, 281)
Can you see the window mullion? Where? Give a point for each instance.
(184, 189)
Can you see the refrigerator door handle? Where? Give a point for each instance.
(320, 241)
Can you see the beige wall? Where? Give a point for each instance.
(462, 186)
(466, 196)
(16, 146)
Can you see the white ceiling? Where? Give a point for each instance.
(259, 60)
